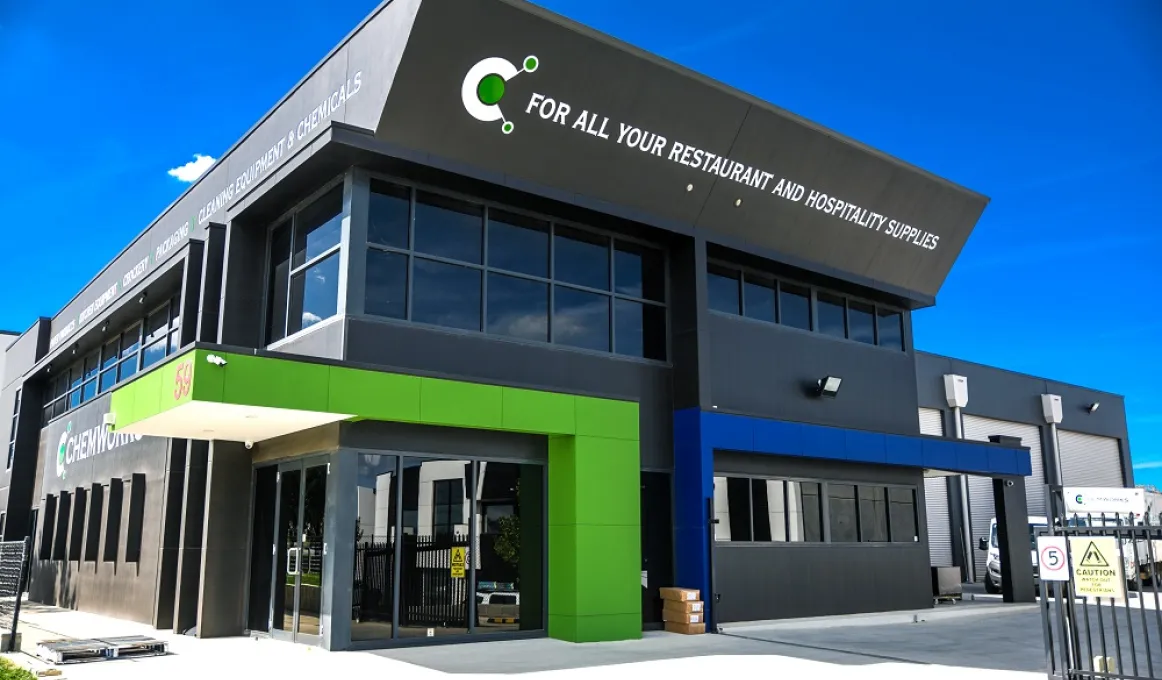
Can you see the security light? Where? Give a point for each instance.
(1093, 407)
(829, 386)
(141, 299)
(215, 359)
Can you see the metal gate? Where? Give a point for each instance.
(13, 577)
(1118, 637)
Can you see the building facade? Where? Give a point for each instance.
(494, 326)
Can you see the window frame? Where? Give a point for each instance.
(612, 238)
(290, 215)
(12, 432)
(741, 272)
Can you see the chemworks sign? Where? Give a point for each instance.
(515, 96)
(75, 446)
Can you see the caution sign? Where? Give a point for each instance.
(459, 554)
(1097, 568)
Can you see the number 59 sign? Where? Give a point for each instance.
(1053, 565)
(183, 380)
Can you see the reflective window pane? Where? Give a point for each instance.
(581, 258)
(375, 497)
(314, 294)
(108, 379)
(640, 329)
(518, 308)
(318, 226)
(387, 284)
(891, 329)
(844, 513)
(759, 299)
(794, 306)
(902, 515)
(509, 515)
(804, 512)
(732, 509)
(157, 325)
(127, 369)
(434, 525)
(449, 228)
(388, 215)
(446, 295)
(154, 353)
(862, 322)
(131, 341)
(91, 363)
(518, 244)
(110, 353)
(581, 319)
(770, 510)
(832, 315)
(873, 514)
(640, 271)
(723, 290)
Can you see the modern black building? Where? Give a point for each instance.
(495, 325)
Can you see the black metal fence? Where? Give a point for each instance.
(13, 576)
(431, 594)
(1117, 635)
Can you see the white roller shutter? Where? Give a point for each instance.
(1089, 460)
(936, 498)
(980, 489)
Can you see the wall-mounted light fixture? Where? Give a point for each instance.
(1093, 407)
(215, 359)
(829, 386)
(141, 299)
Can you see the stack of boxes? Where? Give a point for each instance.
(682, 611)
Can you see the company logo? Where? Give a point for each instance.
(484, 87)
(94, 441)
(1079, 500)
(62, 450)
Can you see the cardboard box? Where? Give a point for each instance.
(671, 616)
(680, 594)
(684, 606)
(685, 628)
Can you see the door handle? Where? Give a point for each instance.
(292, 561)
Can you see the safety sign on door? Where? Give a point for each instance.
(1053, 565)
(1097, 567)
(458, 560)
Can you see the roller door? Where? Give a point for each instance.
(1089, 460)
(980, 489)
(936, 498)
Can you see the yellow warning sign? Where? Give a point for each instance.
(458, 561)
(1097, 568)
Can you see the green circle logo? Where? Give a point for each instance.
(490, 90)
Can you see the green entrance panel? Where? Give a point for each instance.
(594, 552)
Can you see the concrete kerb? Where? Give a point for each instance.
(945, 613)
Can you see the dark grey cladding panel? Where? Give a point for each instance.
(24, 352)
(761, 582)
(413, 349)
(77, 449)
(733, 462)
(444, 441)
(768, 371)
(1005, 395)
(577, 117)
(349, 86)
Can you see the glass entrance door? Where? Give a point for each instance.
(299, 547)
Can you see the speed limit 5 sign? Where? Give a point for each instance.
(1051, 558)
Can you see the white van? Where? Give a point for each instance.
(992, 577)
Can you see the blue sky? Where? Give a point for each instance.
(1049, 108)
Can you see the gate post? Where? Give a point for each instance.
(1013, 538)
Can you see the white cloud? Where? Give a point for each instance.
(193, 170)
(1148, 465)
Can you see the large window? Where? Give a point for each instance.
(768, 510)
(732, 291)
(303, 285)
(445, 262)
(120, 357)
